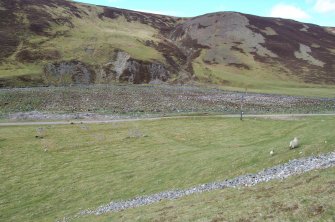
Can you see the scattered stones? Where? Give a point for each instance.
(81, 102)
(40, 133)
(296, 166)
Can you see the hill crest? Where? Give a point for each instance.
(59, 42)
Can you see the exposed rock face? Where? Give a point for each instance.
(64, 73)
(127, 69)
(122, 69)
(120, 63)
(143, 72)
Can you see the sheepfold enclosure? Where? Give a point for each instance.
(50, 172)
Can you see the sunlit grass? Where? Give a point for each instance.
(307, 197)
(74, 167)
(258, 81)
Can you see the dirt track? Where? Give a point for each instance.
(272, 116)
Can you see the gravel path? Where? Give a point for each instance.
(111, 119)
(293, 167)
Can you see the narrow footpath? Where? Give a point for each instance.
(22, 123)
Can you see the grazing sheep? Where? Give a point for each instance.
(294, 143)
(272, 152)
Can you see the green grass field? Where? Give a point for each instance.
(70, 168)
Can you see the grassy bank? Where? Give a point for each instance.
(307, 197)
(74, 167)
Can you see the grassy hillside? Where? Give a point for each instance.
(229, 50)
(54, 171)
(261, 80)
(87, 38)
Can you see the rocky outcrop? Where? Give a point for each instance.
(68, 72)
(126, 69)
(122, 69)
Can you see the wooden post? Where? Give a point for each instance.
(242, 100)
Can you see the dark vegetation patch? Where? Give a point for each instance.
(240, 65)
(33, 56)
(188, 42)
(22, 81)
(235, 48)
(9, 29)
(202, 26)
(281, 207)
(312, 178)
(288, 41)
(210, 62)
(316, 210)
(40, 21)
(163, 23)
(72, 8)
(14, 29)
(174, 56)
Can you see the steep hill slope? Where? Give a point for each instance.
(256, 44)
(58, 42)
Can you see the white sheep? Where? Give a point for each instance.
(294, 143)
(272, 152)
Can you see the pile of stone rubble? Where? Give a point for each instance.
(293, 167)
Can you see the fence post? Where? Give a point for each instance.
(242, 100)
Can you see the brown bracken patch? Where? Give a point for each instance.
(312, 178)
(316, 210)
(240, 66)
